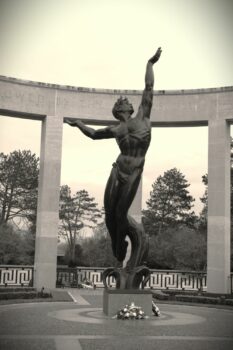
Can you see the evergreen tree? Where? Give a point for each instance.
(16, 246)
(178, 248)
(18, 185)
(98, 249)
(204, 200)
(76, 212)
(169, 203)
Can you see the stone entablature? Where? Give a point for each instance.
(171, 107)
(113, 91)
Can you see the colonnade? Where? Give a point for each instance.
(52, 103)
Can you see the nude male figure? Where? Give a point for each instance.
(133, 137)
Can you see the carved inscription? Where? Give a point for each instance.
(62, 102)
(21, 97)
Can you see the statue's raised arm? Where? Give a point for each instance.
(147, 96)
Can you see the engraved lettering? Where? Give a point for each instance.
(6, 95)
(61, 101)
(40, 100)
(31, 98)
(19, 95)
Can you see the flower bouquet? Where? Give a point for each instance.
(135, 312)
(131, 311)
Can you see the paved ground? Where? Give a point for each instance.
(81, 325)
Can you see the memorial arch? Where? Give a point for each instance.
(52, 103)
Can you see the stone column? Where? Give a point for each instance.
(48, 203)
(218, 240)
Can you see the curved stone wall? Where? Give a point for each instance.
(171, 107)
(51, 103)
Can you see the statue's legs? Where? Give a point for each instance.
(126, 195)
(110, 201)
(118, 198)
(119, 194)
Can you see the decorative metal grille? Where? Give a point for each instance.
(159, 279)
(71, 277)
(180, 280)
(15, 275)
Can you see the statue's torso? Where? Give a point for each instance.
(133, 138)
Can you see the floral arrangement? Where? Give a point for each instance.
(135, 312)
(131, 312)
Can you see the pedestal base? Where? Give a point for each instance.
(116, 299)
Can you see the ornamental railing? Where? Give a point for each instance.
(16, 275)
(159, 279)
(74, 277)
(177, 280)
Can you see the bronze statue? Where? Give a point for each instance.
(133, 137)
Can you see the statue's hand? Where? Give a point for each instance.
(156, 57)
(72, 122)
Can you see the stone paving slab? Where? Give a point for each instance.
(116, 343)
(81, 325)
(27, 344)
(161, 344)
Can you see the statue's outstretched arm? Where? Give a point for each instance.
(147, 96)
(105, 133)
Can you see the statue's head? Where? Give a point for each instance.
(121, 107)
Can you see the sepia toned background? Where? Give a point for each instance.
(106, 44)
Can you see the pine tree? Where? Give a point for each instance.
(204, 200)
(169, 203)
(76, 212)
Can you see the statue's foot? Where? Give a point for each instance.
(121, 250)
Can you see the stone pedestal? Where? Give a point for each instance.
(116, 299)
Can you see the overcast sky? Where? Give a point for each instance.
(105, 44)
